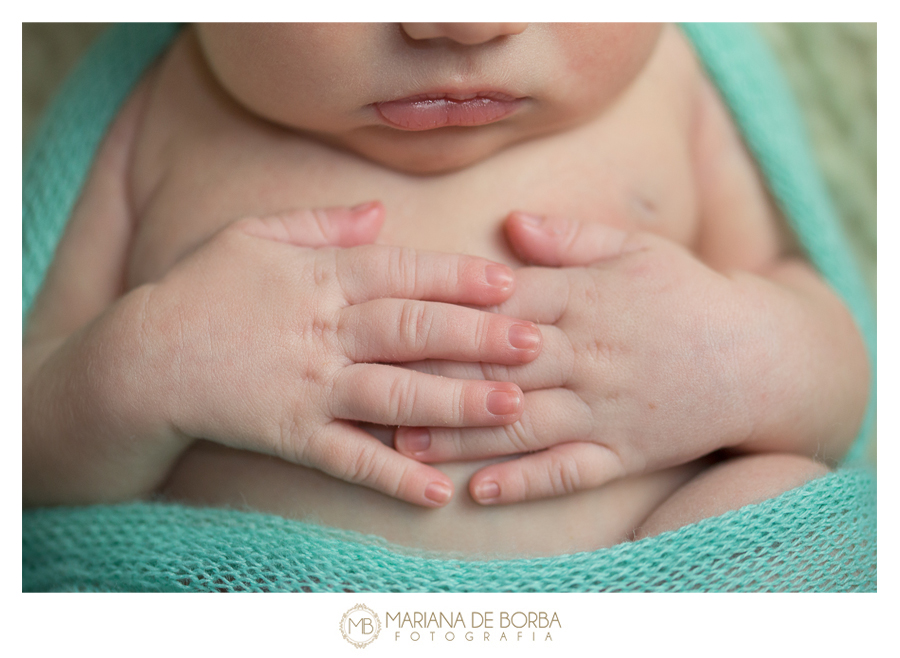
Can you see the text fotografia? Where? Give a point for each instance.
(477, 626)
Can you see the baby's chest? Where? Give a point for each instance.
(639, 179)
(578, 176)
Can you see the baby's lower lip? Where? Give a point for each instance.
(427, 112)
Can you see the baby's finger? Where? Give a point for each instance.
(560, 470)
(373, 272)
(553, 368)
(388, 395)
(350, 454)
(406, 330)
(550, 417)
(558, 242)
(541, 295)
(319, 227)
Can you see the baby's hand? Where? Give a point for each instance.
(274, 348)
(639, 368)
(258, 343)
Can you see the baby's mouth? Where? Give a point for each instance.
(440, 110)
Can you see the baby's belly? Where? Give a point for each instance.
(210, 474)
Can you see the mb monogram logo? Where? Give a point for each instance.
(360, 626)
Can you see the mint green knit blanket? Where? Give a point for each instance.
(819, 537)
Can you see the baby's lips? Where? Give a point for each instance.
(431, 111)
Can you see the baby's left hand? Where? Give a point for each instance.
(650, 359)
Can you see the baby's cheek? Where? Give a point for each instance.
(604, 58)
(286, 72)
(615, 49)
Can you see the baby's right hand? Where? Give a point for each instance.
(258, 343)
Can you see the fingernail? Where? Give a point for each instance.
(524, 336)
(415, 440)
(437, 492)
(529, 219)
(487, 492)
(498, 276)
(364, 208)
(503, 403)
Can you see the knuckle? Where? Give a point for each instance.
(321, 223)
(482, 333)
(346, 331)
(322, 333)
(572, 234)
(414, 327)
(282, 228)
(564, 233)
(403, 269)
(292, 446)
(328, 382)
(589, 292)
(458, 404)
(453, 443)
(567, 292)
(395, 485)
(571, 475)
(402, 399)
(562, 475)
(457, 268)
(518, 434)
(602, 351)
(324, 327)
(566, 357)
(364, 467)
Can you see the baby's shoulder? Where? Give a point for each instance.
(182, 102)
(676, 72)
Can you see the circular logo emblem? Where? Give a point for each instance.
(360, 626)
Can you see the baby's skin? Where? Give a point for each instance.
(540, 252)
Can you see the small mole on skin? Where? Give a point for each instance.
(651, 405)
(646, 209)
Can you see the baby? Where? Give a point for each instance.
(297, 267)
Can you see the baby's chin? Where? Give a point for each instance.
(430, 153)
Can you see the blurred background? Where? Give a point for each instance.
(49, 51)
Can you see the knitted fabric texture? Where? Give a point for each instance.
(819, 537)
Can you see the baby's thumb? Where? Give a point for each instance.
(558, 242)
(338, 226)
